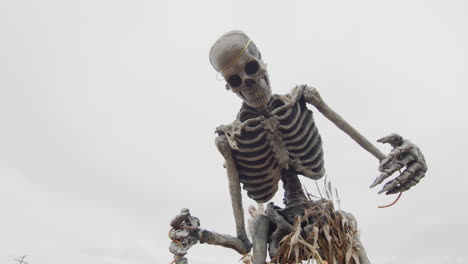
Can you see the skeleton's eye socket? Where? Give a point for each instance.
(251, 67)
(234, 80)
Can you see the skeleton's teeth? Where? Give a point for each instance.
(257, 96)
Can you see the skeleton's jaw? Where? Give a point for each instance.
(258, 95)
(256, 99)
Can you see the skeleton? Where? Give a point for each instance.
(274, 137)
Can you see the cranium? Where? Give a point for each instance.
(239, 61)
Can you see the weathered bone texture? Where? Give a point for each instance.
(313, 97)
(273, 138)
(238, 60)
(234, 187)
(227, 241)
(184, 234)
(282, 229)
(404, 153)
(260, 227)
(276, 143)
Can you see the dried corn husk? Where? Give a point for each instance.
(329, 240)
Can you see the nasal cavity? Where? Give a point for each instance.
(250, 82)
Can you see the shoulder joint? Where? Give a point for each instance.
(222, 144)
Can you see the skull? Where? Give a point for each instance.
(240, 63)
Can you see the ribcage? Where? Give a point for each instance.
(283, 138)
(302, 140)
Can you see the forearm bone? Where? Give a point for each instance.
(313, 97)
(234, 189)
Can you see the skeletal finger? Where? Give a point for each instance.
(385, 162)
(409, 183)
(379, 179)
(409, 172)
(389, 185)
(393, 167)
(419, 176)
(184, 214)
(422, 160)
(396, 153)
(401, 162)
(179, 234)
(400, 180)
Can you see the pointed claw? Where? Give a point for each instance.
(384, 175)
(395, 190)
(374, 184)
(382, 191)
(379, 179)
(389, 186)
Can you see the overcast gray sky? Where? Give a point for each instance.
(108, 110)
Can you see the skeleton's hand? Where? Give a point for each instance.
(405, 155)
(184, 234)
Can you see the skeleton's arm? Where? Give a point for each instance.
(186, 229)
(404, 153)
(234, 188)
